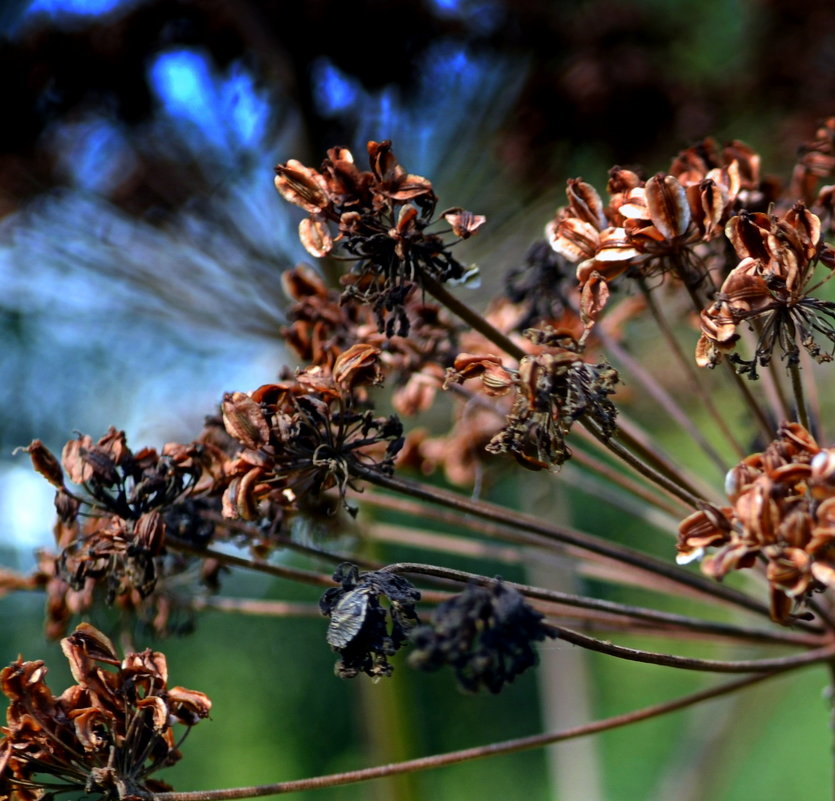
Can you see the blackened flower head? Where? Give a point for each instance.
(363, 631)
(485, 634)
(103, 736)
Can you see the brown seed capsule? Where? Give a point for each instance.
(44, 461)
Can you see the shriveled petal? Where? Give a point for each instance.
(45, 463)
(188, 706)
(358, 365)
(464, 223)
(573, 238)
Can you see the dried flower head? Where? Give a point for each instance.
(105, 735)
(358, 629)
(485, 634)
(551, 391)
(770, 289)
(382, 217)
(300, 438)
(782, 512)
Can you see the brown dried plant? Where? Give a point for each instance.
(710, 253)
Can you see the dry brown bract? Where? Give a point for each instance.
(104, 735)
(382, 217)
(783, 510)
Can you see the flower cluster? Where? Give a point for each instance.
(112, 532)
(552, 389)
(300, 438)
(382, 217)
(358, 630)
(783, 511)
(769, 288)
(654, 226)
(485, 634)
(106, 734)
(322, 328)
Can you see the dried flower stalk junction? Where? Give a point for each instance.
(710, 240)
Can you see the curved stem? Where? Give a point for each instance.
(691, 371)
(612, 607)
(533, 525)
(799, 399)
(690, 663)
(291, 573)
(468, 754)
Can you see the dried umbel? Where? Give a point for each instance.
(382, 217)
(111, 531)
(485, 634)
(358, 628)
(300, 438)
(782, 513)
(653, 227)
(552, 389)
(104, 736)
(769, 289)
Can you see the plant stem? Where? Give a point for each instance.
(291, 573)
(469, 754)
(663, 398)
(612, 607)
(690, 370)
(689, 663)
(530, 524)
(799, 400)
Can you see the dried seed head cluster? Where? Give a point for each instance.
(358, 628)
(783, 511)
(655, 226)
(112, 532)
(323, 327)
(485, 634)
(769, 288)
(552, 389)
(382, 217)
(300, 438)
(105, 735)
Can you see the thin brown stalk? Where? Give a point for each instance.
(688, 496)
(611, 607)
(799, 400)
(625, 482)
(279, 571)
(258, 607)
(528, 523)
(691, 371)
(662, 398)
(468, 754)
(690, 663)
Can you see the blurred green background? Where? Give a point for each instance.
(140, 246)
